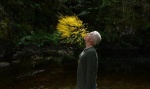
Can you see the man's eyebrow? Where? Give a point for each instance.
(91, 33)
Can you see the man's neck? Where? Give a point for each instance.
(88, 46)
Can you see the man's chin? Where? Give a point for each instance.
(84, 39)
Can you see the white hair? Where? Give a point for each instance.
(97, 37)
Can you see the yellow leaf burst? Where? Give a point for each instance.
(72, 29)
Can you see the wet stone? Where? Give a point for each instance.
(4, 64)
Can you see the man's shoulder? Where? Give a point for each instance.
(91, 50)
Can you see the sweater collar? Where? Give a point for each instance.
(88, 48)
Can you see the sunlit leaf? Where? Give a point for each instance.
(72, 29)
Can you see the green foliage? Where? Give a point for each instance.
(122, 22)
(5, 32)
(147, 29)
(3, 26)
(39, 39)
(145, 36)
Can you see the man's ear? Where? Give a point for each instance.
(92, 40)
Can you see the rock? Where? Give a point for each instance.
(29, 48)
(16, 62)
(4, 64)
(18, 54)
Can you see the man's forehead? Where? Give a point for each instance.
(91, 33)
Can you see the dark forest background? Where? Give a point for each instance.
(32, 55)
(123, 24)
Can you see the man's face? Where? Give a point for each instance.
(88, 37)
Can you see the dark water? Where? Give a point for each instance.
(59, 76)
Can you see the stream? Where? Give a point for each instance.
(26, 75)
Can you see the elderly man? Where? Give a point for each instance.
(88, 62)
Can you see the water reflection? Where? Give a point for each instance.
(32, 73)
(64, 77)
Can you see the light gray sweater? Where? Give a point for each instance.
(87, 69)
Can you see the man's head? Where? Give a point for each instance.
(93, 38)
